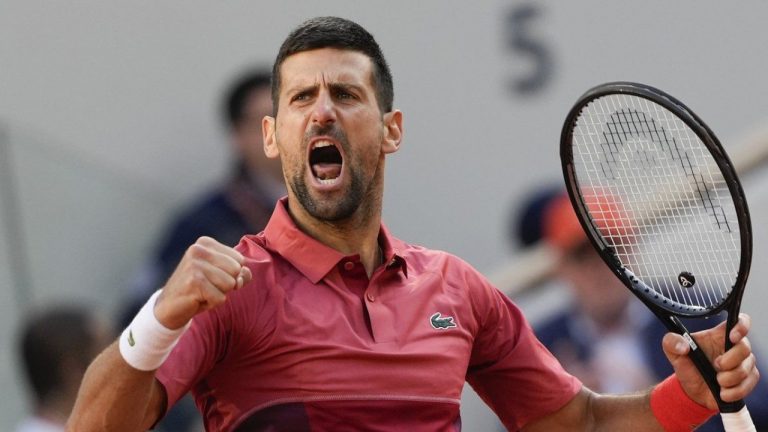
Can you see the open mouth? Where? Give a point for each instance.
(326, 161)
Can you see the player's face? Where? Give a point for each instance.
(330, 133)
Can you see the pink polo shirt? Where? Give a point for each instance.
(311, 344)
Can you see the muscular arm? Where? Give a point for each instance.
(116, 397)
(594, 412)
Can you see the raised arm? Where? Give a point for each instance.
(119, 391)
(737, 375)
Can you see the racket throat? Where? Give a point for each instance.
(691, 343)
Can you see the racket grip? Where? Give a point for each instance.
(739, 421)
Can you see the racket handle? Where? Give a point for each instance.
(706, 369)
(738, 421)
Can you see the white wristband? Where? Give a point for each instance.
(146, 343)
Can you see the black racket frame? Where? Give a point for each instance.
(667, 310)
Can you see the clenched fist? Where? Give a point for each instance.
(207, 272)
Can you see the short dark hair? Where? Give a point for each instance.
(51, 338)
(335, 32)
(236, 97)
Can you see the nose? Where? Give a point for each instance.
(323, 111)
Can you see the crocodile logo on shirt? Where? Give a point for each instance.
(131, 342)
(441, 322)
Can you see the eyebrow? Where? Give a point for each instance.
(336, 86)
(345, 86)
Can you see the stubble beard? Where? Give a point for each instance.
(330, 211)
(335, 210)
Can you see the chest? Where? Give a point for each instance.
(403, 336)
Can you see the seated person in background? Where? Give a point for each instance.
(605, 336)
(239, 206)
(55, 348)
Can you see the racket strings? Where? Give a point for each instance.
(656, 195)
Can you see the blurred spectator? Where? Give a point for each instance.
(604, 336)
(55, 348)
(241, 205)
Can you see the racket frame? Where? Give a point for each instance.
(667, 310)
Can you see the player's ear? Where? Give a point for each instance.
(268, 134)
(393, 131)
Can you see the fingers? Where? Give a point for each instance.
(206, 292)
(219, 255)
(741, 329)
(225, 258)
(244, 277)
(223, 249)
(674, 346)
(737, 367)
(206, 274)
(735, 382)
(735, 356)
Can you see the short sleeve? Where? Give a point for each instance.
(198, 350)
(509, 368)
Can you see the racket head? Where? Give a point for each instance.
(626, 150)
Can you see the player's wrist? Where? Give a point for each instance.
(146, 342)
(168, 315)
(674, 409)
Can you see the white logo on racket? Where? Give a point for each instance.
(690, 341)
(686, 279)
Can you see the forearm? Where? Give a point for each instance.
(115, 396)
(588, 411)
(666, 407)
(622, 412)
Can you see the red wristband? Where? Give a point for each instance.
(674, 410)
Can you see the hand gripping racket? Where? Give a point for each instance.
(661, 202)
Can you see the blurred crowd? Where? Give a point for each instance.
(57, 344)
(604, 337)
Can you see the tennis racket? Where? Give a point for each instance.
(661, 202)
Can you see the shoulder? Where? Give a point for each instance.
(253, 246)
(264, 264)
(457, 275)
(420, 257)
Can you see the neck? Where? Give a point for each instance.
(356, 235)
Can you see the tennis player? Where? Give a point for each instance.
(327, 322)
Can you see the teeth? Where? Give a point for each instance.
(327, 181)
(320, 144)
